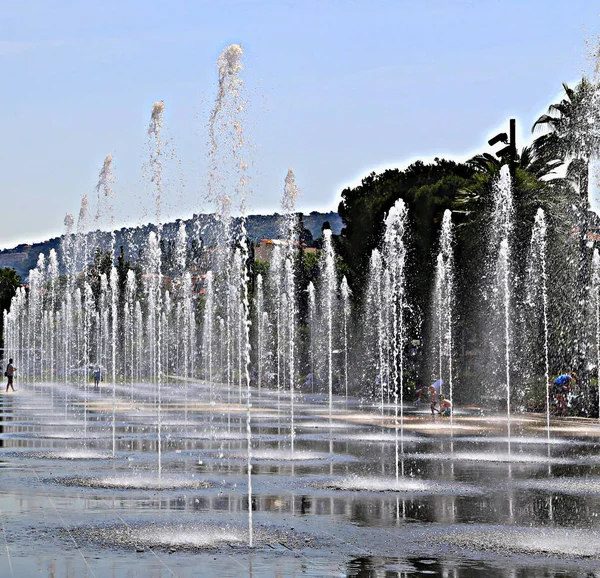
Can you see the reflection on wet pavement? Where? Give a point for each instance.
(463, 501)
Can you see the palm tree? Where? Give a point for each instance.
(572, 130)
(573, 136)
(531, 159)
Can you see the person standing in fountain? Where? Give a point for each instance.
(432, 399)
(97, 376)
(560, 389)
(10, 374)
(445, 407)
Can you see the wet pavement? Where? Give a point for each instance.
(88, 490)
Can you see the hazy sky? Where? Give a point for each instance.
(336, 89)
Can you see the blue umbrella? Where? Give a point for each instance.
(438, 384)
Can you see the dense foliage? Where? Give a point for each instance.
(9, 282)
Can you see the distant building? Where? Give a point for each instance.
(263, 250)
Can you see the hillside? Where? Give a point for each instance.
(24, 257)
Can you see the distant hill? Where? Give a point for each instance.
(24, 257)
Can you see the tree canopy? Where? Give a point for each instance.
(9, 283)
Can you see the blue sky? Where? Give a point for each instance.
(336, 89)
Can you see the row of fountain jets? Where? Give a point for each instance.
(206, 322)
(199, 326)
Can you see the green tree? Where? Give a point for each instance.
(101, 264)
(9, 283)
(572, 135)
(427, 189)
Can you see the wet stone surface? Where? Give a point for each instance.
(92, 487)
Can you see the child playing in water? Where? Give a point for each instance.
(445, 407)
(432, 399)
(420, 391)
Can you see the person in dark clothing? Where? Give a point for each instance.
(10, 374)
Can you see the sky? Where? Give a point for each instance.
(335, 89)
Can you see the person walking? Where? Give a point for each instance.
(10, 374)
(97, 377)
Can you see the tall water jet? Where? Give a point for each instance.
(328, 300)
(35, 318)
(237, 318)
(536, 301)
(185, 313)
(104, 188)
(139, 331)
(154, 286)
(276, 290)
(53, 280)
(77, 314)
(88, 314)
(387, 292)
(290, 309)
(114, 297)
(260, 329)
(131, 351)
(445, 303)
(189, 320)
(345, 292)
(104, 203)
(375, 328)
(156, 146)
(595, 288)
(81, 249)
(394, 251)
(208, 341)
(226, 123)
(289, 230)
(67, 254)
(103, 320)
(312, 321)
(154, 329)
(500, 282)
